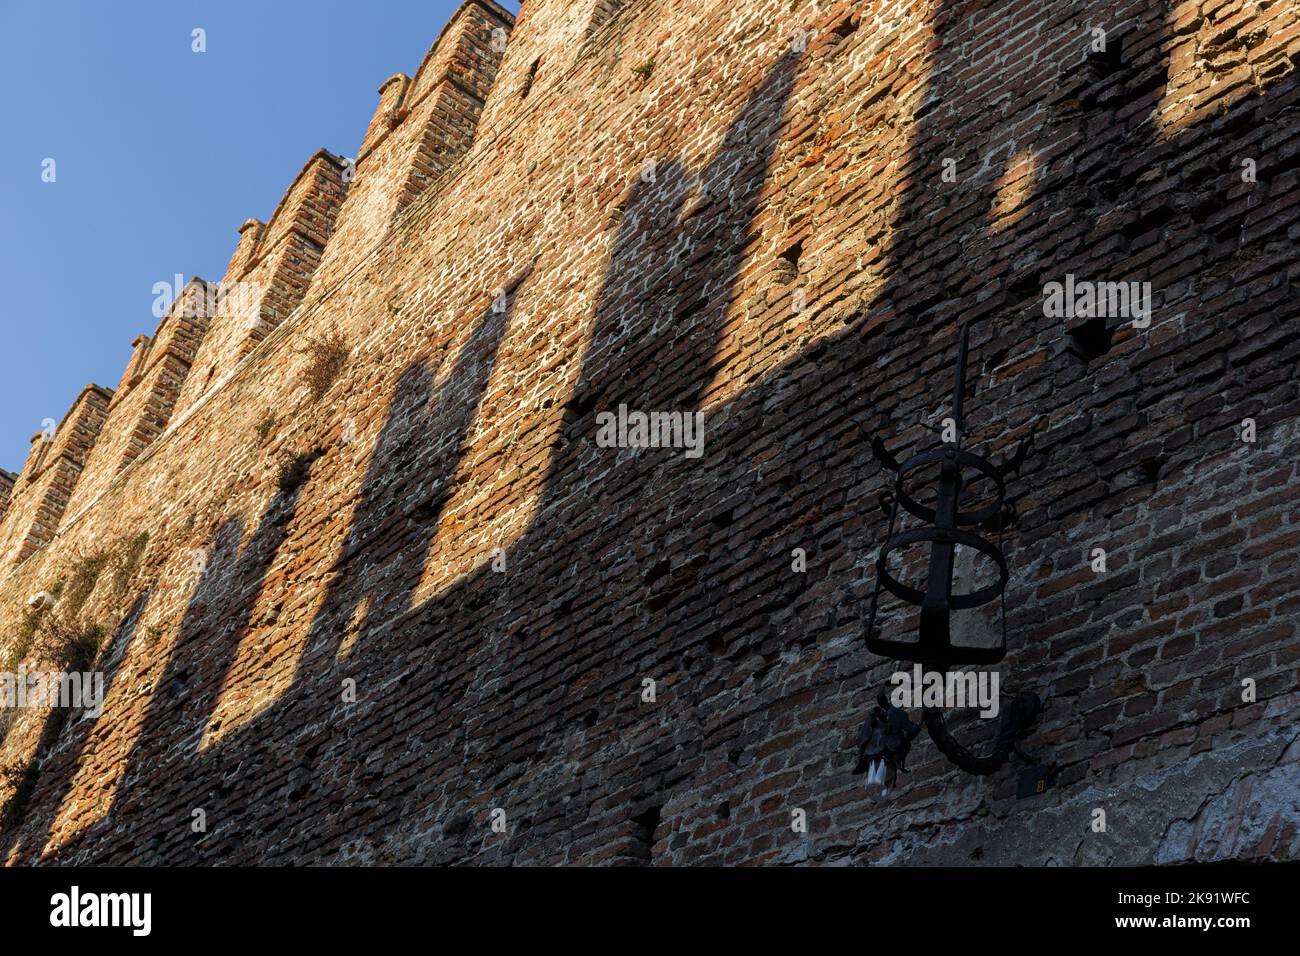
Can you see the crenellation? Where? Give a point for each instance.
(269, 272)
(741, 214)
(250, 237)
(422, 127)
(7, 479)
(54, 466)
(467, 53)
(308, 208)
(547, 41)
(144, 403)
(388, 114)
(140, 346)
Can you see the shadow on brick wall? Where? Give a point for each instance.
(498, 691)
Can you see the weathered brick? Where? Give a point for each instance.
(678, 208)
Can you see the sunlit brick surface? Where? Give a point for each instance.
(741, 209)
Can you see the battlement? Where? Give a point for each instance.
(7, 479)
(730, 214)
(419, 130)
(269, 272)
(421, 127)
(551, 35)
(54, 465)
(467, 53)
(146, 398)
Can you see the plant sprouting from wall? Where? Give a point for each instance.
(264, 428)
(82, 578)
(52, 629)
(129, 555)
(327, 356)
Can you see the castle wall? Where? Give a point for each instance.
(426, 594)
(420, 129)
(269, 274)
(144, 400)
(53, 467)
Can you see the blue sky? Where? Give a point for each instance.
(160, 153)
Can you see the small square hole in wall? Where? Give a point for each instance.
(1090, 340)
(846, 27)
(789, 259)
(1106, 62)
(1149, 469)
(530, 78)
(644, 825)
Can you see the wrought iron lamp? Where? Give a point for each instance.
(952, 521)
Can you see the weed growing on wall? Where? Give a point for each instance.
(327, 356)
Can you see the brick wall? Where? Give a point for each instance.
(427, 594)
(7, 479)
(53, 467)
(269, 273)
(143, 403)
(420, 129)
